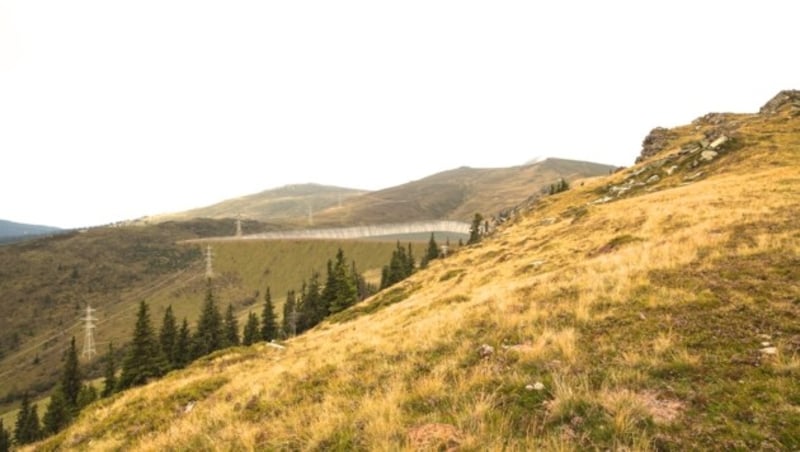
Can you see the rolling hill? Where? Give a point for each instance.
(290, 203)
(11, 231)
(652, 309)
(457, 194)
(46, 284)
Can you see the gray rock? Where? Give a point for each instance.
(485, 351)
(783, 98)
(769, 350)
(718, 142)
(655, 142)
(708, 156)
(653, 179)
(671, 170)
(694, 176)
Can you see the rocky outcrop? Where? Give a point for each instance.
(656, 141)
(785, 99)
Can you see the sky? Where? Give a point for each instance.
(113, 110)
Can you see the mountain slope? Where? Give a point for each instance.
(10, 230)
(457, 194)
(632, 312)
(289, 202)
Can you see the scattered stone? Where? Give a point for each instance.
(766, 344)
(708, 156)
(602, 200)
(529, 387)
(642, 316)
(769, 350)
(718, 142)
(671, 170)
(690, 148)
(538, 386)
(694, 176)
(653, 179)
(640, 170)
(765, 337)
(485, 351)
(189, 407)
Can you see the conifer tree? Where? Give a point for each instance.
(183, 345)
(168, 337)
(313, 307)
(110, 373)
(345, 291)
(27, 429)
(475, 229)
(269, 321)
(5, 438)
(58, 413)
(251, 330)
(210, 335)
(87, 395)
(71, 377)
(231, 327)
(289, 323)
(432, 252)
(363, 289)
(145, 359)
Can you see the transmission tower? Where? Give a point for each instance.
(310, 216)
(239, 226)
(88, 339)
(209, 266)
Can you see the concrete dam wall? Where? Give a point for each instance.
(354, 232)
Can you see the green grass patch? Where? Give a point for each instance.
(384, 299)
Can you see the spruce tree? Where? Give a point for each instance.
(231, 327)
(5, 438)
(145, 359)
(314, 308)
(269, 322)
(345, 291)
(168, 337)
(34, 428)
(27, 429)
(432, 252)
(87, 395)
(21, 426)
(475, 229)
(210, 335)
(71, 377)
(58, 413)
(183, 345)
(110, 373)
(289, 325)
(251, 330)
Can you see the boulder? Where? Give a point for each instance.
(656, 141)
(708, 156)
(790, 98)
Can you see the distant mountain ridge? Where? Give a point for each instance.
(10, 230)
(286, 203)
(458, 194)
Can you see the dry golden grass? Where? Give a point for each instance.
(613, 311)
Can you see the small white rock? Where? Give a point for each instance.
(529, 387)
(538, 386)
(766, 344)
(769, 350)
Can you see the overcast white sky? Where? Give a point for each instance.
(112, 109)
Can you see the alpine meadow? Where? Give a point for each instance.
(653, 307)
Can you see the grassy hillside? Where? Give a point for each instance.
(662, 316)
(289, 203)
(457, 194)
(47, 283)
